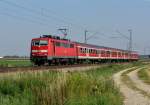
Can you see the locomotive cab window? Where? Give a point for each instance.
(71, 45)
(40, 43)
(43, 42)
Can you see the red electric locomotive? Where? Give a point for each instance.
(54, 50)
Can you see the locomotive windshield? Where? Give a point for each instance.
(39, 43)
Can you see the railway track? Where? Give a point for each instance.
(52, 68)
(36, 68)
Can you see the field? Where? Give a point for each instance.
(14, 63)
(93, 87)
(144, 75)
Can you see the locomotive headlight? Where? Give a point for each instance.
(34, 51)
(42, 51)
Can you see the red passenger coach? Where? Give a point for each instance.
(54, 50)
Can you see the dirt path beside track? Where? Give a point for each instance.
(131, 96)
(139, 83)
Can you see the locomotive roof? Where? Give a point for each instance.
(83, 44)
(97, 46)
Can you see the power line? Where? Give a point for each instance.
(34, 11)
(63, 18)
(128, 38)
(122, 35)
(21, 18)
(43, 14)
(29, 17)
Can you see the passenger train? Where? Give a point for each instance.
(54, 50)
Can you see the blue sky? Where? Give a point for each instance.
(22, 20)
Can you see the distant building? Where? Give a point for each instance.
(145, 56)
(1, 57)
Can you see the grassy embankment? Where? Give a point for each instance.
(144, 75)
(14, 63)
(94, 87)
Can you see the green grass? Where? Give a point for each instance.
(14, 63)
(143, 75)
(94, 87)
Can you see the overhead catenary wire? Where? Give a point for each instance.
(46, 17)
(39, 13)
(25, 17)
(63, 18)
(22, 18)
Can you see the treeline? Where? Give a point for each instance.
(15, 56)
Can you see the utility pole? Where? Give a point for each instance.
(64, 31)
(130, 40)
(144, 50)
(85, 36)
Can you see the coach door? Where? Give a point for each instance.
(87, 52)
(53, 51)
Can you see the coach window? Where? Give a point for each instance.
(83, 50)
(72, 46)
(97, 51)
(126, 54)
(57, 44)
(119, 53)
(86, 50)
(65, 45)
(108, 52)
(62, 44)
(80, 50)
(122, 54)
(89, 50)
(103, 52)
(94, 51)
